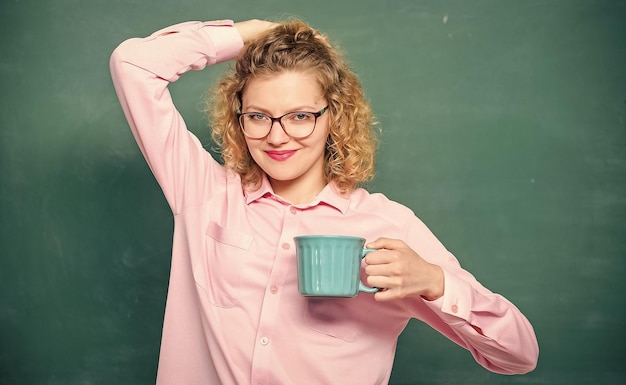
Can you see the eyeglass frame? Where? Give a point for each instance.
(316, 115)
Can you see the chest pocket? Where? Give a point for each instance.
(342, 318)
(219, 272)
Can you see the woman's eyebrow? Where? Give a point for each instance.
(302, 107)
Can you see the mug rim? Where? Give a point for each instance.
(327, 236)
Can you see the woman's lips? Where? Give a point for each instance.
(280, 155)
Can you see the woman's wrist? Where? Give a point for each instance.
(437, 288)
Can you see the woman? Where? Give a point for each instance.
(297, 141)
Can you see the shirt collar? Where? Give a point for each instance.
(265, 189)
(330, 195)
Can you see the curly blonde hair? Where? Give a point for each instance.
(294, 46)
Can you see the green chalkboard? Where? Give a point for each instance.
(503, 128)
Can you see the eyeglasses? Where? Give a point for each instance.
(298, 124)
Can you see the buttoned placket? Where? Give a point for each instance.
(271, 300)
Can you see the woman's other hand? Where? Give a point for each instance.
(400, 272)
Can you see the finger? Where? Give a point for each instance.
(381, 282)
(377, 270)
(377, 257)
(386, 295)
(382, 257)
(386, 243)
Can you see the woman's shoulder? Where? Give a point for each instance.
(379, 204)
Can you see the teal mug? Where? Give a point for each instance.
(330, 265)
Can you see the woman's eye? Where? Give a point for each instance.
(300, 116)
(256, 117)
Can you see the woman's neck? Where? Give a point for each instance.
(298, 192)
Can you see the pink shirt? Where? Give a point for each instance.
(234, 314)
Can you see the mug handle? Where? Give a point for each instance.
(362, 286)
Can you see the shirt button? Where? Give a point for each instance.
(286, 246)
(293, 210)
(273, 290)
(265, 341)
(455, 308)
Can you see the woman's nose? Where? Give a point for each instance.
(277, 134)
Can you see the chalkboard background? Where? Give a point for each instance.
(503, 127)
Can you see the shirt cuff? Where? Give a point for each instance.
(456, 302)
(225, 38)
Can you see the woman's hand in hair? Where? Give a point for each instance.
(250, 29)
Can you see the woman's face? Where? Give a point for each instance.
(295, 167)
